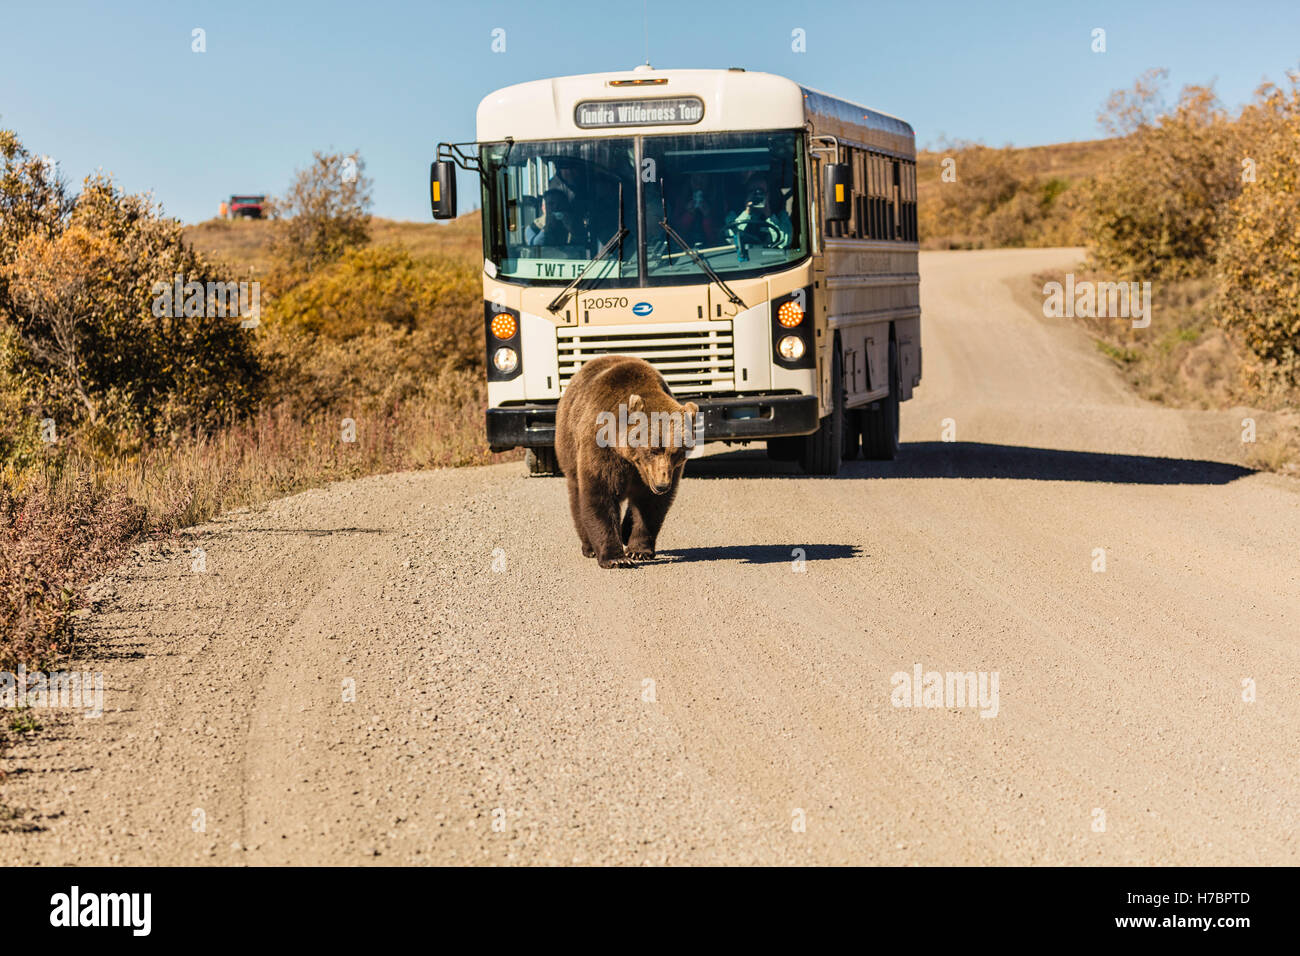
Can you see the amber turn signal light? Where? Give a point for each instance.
(504, 325)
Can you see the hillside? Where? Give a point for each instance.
(244, 243)
(1008, 197)
(1002, 197)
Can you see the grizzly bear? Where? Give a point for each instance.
(621, 436)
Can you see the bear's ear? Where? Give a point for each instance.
(690, 408)
(634, 403)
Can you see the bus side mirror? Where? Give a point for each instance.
(837, 194)
(442, 189)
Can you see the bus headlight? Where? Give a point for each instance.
(791, 348)
(507, 360)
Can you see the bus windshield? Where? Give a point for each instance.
(549, 207)
(735, 198)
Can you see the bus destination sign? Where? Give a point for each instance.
(663, 111)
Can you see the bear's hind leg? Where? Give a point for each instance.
(575, 507)
(628, 517)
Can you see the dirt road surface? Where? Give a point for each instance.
(728, 703)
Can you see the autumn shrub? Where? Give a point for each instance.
(388, 287)
(324, 213)
(82, 345)
(1154, 212)
(371, 329)
(160, 421)
(1258, 253)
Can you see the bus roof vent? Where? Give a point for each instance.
(735, 69)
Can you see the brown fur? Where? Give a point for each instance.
(602, 478)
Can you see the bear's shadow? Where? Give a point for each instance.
(764, 553)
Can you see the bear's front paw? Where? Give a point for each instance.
(617, 561)
(641, 554)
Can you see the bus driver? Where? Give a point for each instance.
(554, 227)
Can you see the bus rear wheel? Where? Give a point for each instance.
(880, 418)
(541, 462)
(822, 449)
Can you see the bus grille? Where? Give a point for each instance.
(694, 357)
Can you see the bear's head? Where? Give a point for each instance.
(659, 439)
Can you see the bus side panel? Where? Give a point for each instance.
(865, 350)
(908, 334)
(872, 284)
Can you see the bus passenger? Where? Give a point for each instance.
(693, 216)
(758, 224)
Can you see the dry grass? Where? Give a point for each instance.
(54, 538)
(279, 454)
(63, 527)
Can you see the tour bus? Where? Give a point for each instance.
(752, 239)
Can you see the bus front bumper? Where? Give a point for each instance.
(750, 418)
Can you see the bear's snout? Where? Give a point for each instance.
(657, 473)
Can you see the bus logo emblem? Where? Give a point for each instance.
(642, 308)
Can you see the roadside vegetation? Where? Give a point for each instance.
(1203, 204)
(972, 196)
(120, 421)
(1197, 200)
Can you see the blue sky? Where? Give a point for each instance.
(116, 85)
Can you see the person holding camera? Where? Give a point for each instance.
(758, 223)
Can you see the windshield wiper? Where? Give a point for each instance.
(558, 302)
(703, 264)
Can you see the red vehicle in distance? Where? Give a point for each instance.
(248, 207)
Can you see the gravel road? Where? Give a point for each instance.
(736, 700)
